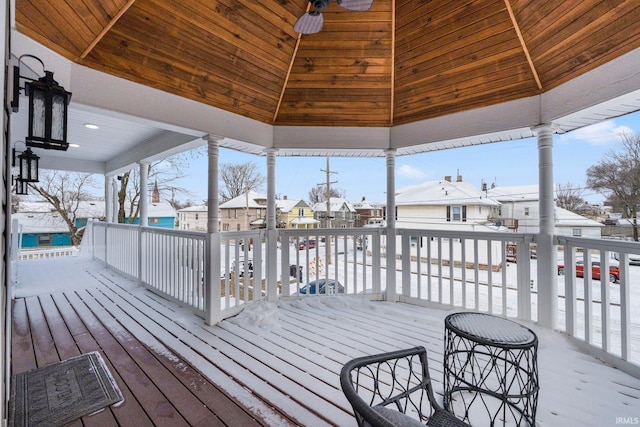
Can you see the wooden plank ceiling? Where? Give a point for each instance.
(400, 62)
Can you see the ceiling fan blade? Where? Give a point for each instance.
(356, 5)
(309, 23)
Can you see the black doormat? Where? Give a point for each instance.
(62, 392)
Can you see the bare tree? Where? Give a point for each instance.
(570, 197)
(617, 176)
(238, 178)
(319, 193)
(64, 191)
(164, 173)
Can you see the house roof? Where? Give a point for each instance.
(161, 210)
(570, 219)
(286, 205)
(86, 208)
(245, 200)
(336, 204)
(516, 193)
(443, 192)
(35, 223)
(196, 208)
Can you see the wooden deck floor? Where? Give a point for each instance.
(280, 361)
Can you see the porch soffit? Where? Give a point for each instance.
(407, 75)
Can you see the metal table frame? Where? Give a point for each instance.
(490, 363)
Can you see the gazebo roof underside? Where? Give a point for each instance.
(400, 63)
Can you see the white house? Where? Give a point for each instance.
(341, 212)
(519, 205)
(193, 218)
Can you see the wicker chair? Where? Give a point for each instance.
(393, 389)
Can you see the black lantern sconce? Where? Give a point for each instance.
(21, 187)
(28, 165)
(48, 108)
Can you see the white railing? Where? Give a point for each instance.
(173, 264)
(471, 270)
(600, 312)
(482, 271)
(352, 256)
(47, 252)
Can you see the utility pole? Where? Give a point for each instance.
(328, 216)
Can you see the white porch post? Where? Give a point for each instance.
(391, 224)
(546, 250)
(272, 233)
(213, 311)
(144, 197)
(108, 198)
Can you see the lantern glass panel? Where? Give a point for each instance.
(57, 117)
(38, 103)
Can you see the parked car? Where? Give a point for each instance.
(242, 268)
(614, 270)
(311, 243)
(324, 286)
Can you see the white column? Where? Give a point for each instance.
(213, 286)
(108, 198)
(546, 250)
(391, 225)
(272, 233)
(144, 196)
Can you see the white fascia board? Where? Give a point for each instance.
(161, 146)
(616, 78)
(70, 164)
(467, 127)
(318, 138)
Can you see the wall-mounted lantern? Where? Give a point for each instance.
(48, 108)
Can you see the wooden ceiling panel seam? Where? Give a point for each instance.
(191, 55)
(40, 23)
(419, 15)
(523, 43)
(234, 33)
(564, 26)
(462, 58)
(455, 18)
(493, 65)
(455, 47)
(82, 33)
(139, 72)
(106, 28)
(196, 60)
(605, 38)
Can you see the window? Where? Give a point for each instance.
(154, 221)
(44, 240)
(300, 211)
(196, 217)
(576, 232)
(456, 213)
(225, 227)
(526, 211)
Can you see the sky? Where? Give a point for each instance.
(505, 164)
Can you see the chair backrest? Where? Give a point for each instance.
(396, 380)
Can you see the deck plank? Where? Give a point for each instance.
(22, 351)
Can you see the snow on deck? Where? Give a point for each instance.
(288, 355)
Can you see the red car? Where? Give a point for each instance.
(307, 243)
(614, 270)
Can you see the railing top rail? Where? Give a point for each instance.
(480, 235)
(603, 244)
(331, 231)
(230, 235)
(114, 225)
(175, 232)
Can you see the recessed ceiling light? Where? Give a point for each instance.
(91, 126)
(74, 145)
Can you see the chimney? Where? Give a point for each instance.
(459, 178)
(284, 197)
(484, 186)
(447, 178)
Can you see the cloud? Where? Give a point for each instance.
(411, 172)
(602, 133)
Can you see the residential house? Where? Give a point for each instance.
(519, 211)
(342, 214)
(193, 218)
(42, 229)
(444, 204)
(247, 211)
(295, 214)
(160, 214)
(368, 213)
